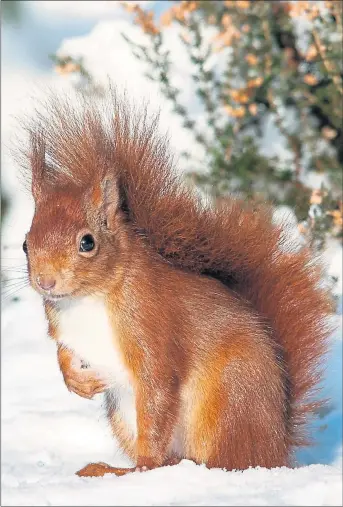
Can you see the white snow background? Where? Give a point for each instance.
(49, 433)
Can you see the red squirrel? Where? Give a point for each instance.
(206, 334)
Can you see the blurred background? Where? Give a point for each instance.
(251, 94)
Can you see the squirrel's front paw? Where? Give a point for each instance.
(85, 382)
(79, 379)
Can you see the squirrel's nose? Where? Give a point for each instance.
(46, 282)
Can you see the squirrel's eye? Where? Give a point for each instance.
(87, 243)
(25, 247)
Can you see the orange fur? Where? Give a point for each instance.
(223, 330)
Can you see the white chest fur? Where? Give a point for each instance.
(85, 328)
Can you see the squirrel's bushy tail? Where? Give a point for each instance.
(234, 242)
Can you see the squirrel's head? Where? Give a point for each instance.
(90, 168)
(76, 238)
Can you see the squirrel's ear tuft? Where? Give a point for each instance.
(37, 162)
(106, 197)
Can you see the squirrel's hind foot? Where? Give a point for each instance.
(101, 469)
